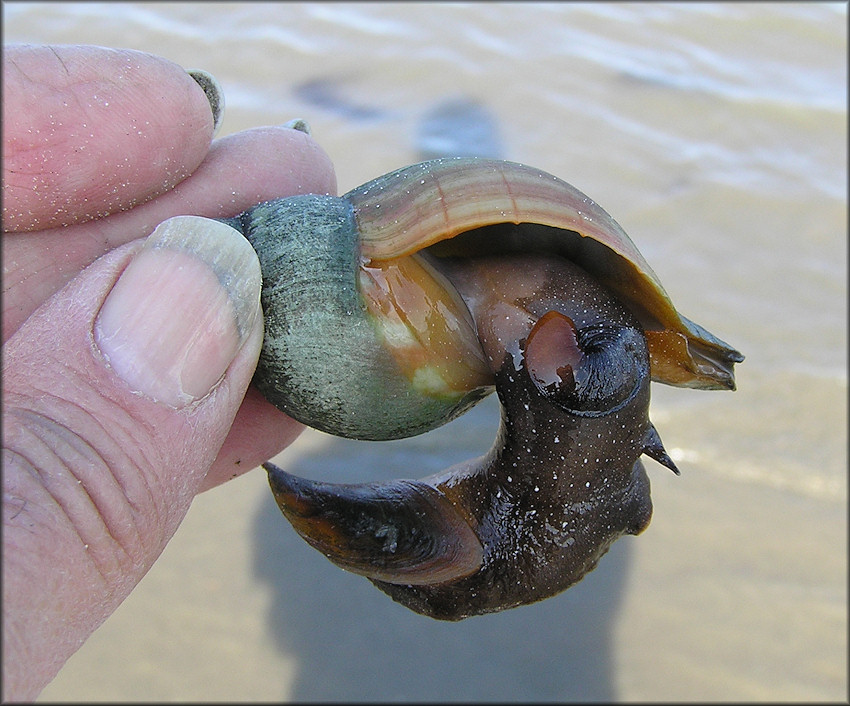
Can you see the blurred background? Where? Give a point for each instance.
(716, 134)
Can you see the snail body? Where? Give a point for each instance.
(396, 307)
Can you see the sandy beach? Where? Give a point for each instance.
(716, 135)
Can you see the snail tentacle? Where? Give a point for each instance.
(653, 448)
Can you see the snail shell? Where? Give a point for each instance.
(353, 345)
(394, 308)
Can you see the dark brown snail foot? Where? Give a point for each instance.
(562, 482)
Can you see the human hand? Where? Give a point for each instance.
(125, 362)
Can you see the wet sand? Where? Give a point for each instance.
(716, 135)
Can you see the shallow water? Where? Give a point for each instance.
(716, 135)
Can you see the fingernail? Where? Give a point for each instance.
(299, 124)
(215, 94)
(178, 315)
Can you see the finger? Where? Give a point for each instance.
(118, 394)
(88, 131)
(240, 170)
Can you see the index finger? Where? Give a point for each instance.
(88, 131)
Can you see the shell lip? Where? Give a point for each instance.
(433, 202)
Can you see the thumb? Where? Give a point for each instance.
(118, 393)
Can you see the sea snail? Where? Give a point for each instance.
(396, 307)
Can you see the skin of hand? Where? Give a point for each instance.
(126, 358)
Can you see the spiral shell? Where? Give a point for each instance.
(366, 338)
